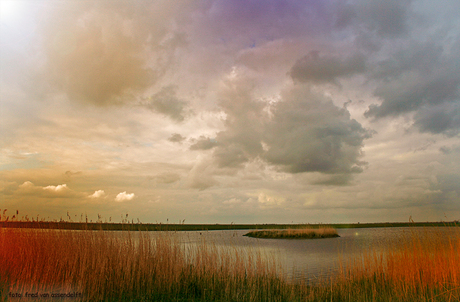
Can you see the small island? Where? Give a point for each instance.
(308, 233)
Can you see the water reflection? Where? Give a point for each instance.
(307, 259)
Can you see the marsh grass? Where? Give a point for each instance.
(109, 266)
(301, 233)
(422, 266)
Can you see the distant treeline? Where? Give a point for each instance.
(204, 227)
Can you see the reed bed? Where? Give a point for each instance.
(302, 233)
(422, 266)
(106, 266)
(113, 266)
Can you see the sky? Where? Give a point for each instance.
(230, 111)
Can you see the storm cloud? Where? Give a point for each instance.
(302, 132)
(308, 133)
(421, 78)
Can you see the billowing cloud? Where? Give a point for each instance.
(303, 132)
(123, 196)
(244, 121)
(308, 133)
(93, 58)
(106, 53)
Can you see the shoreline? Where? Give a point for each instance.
(64, 225)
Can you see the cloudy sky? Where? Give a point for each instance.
(231, 111)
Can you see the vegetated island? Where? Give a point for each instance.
(308, 233)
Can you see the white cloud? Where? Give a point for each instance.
(98, 194)
(58, 188)
(123, 196)
(59, 191)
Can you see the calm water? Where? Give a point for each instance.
(307, 258)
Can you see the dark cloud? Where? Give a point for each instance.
(421, 78)
(439, 119)
(326, 69)
(166, 102)
(176, 138)
(417, 57)
(373, 23)
(308, 133)
(304, 132)
(385, 18)
(446, 150)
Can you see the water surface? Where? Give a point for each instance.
(308, 259)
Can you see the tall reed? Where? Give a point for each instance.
(107, 266)
(421, 266)
(135, 266)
